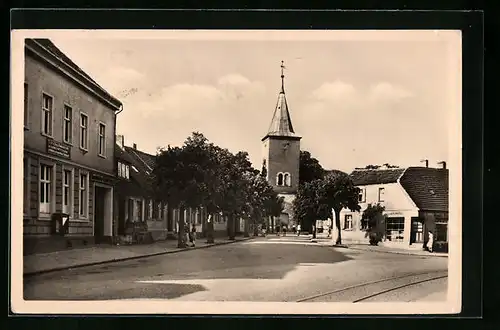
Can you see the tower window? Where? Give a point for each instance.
(287, 180)
(280, 179)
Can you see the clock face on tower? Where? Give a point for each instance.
(286, 145)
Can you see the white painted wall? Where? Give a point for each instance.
(397, 204)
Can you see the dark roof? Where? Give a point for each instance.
(140, 173)
(146, 160)
(56, 52)
(334, 172)
(376, 176)
(427, 187)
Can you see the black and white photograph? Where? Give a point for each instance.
(234, 172)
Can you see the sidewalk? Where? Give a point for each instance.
(48, 262)
(384, 249)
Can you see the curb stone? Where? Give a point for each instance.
(399, 252)
(96, 263)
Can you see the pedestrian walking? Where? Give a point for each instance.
(284, 230)
(298, 229)
(192, 236)
(430, 242)
(277, 230)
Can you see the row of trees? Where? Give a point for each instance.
(203, 175)
(322, 193)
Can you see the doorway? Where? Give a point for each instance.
(103, 214)
(99, 197)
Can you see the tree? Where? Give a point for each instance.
(309, 168)
(306, 204)
(183, 177)
(374, 219)
(335, 192)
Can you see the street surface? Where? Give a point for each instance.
(285, 269)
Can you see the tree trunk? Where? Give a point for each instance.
(247, 227)
(337, 224)
(210, 230)
(181, 239)
(313, 227)
(230, 227)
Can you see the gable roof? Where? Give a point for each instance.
(49, 47)
(364, 177)
(145, 160)
(427, 187)
(141, 167)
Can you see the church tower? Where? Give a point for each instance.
(281, 154)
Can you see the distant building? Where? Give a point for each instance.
(415, 200)
(281, 155)
(69, 139)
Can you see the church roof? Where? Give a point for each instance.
(281, 124)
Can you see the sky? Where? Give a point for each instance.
(355, 101)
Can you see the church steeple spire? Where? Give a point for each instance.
(282, 78)
(281, 124)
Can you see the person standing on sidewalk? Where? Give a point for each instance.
(192, 235)
(298, 229)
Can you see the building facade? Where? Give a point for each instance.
(281, 155)
(69, 138)
(415, 201)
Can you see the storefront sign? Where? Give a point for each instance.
(393, 214)
(101, 178)
(58, 148)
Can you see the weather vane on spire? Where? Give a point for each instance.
(282, 77)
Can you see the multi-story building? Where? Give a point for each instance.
(69, 139)
(415, 201)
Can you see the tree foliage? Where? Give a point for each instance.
(309, 168)
(201, 174)
(316, 199)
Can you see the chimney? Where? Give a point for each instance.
(120, 140)
(135, 146)
(443, 164)
(426, 162)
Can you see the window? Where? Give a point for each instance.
(150, 209)
(45, 188)
(417, 231)
(395, 229)
(159, 212)
(26, 190)
(84, 195)
(348, 221)
(362, 195)
(84, 122)
(381, 192)
(26, 105)
(441, 229)
(123, 170)
(102, 140)
(67, 184)
(287, 180)
(67, 127)
(47, 104)
(280, 179)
